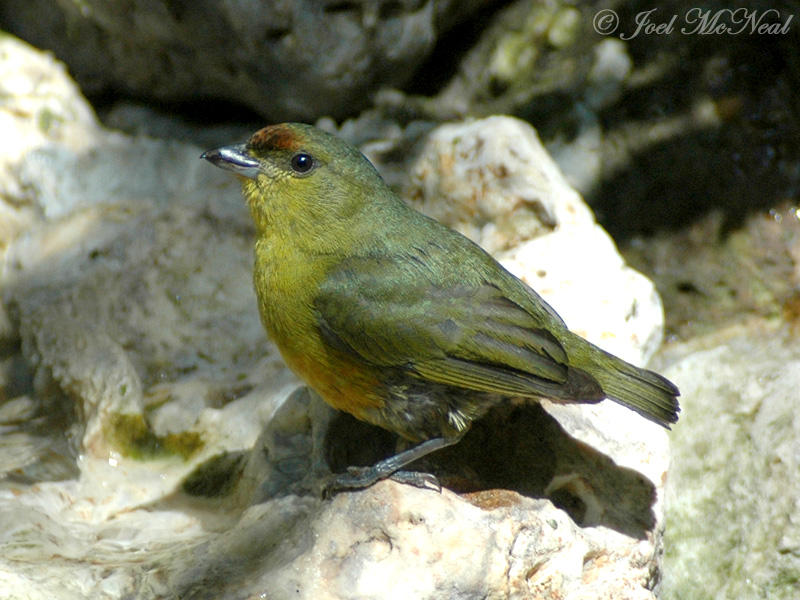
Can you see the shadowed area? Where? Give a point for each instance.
(519, 448)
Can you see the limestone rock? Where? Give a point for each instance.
(97, 285)
(41, 107)
(732, 494)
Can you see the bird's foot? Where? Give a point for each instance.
(425, 481)
(357, 478)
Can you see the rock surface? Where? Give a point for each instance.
(733, 490)
(129, 304)
(338, 53)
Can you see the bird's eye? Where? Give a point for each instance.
(302, 163)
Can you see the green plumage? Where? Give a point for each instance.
(470, 324)
(397, 319)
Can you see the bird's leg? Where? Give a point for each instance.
(361, 477)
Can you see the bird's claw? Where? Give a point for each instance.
(425, 481)
(362, 477)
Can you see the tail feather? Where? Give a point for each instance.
(645, 392)
(648, 393)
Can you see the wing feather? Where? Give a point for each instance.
(466, 334)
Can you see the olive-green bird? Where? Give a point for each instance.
(396, 319)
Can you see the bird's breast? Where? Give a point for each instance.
(286, 284)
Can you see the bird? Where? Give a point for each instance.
(395, 318)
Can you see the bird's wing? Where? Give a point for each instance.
(466, 334)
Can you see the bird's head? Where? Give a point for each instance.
(298, 177)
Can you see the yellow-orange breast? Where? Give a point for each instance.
(340, 381)
(285, 284)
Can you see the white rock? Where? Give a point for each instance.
(493, 181)
(732, 494)
(395, 542)
(41, 107)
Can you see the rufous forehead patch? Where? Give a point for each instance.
(275, 137)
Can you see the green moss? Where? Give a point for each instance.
(155, 402)
(565, 28)
(46, 119)
(785, 584)
(132, 437)
(217, 476)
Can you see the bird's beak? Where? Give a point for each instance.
(233, 158)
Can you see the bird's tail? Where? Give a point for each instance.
(648, 393)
